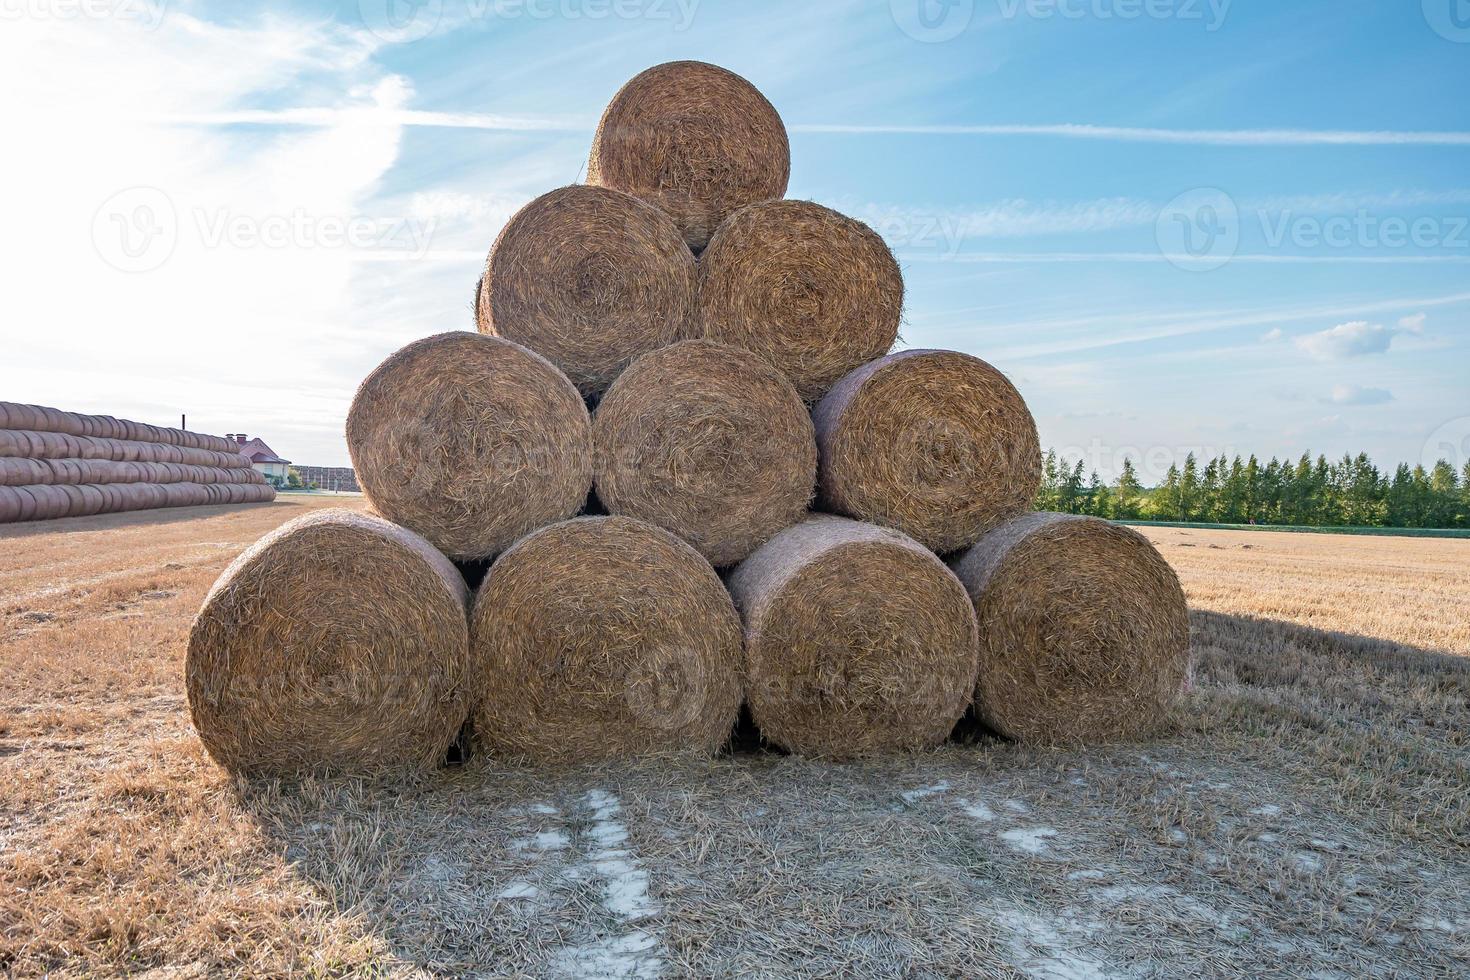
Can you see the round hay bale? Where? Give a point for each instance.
(602, 638)
(20, 472)
(858, 641)
(51, 502)
(28, 504)
(937, 444)
(10, 504)
(813, 291)
(709, 442)
(471, 441)
(1084, 632)
(590, 279)
(338, 641)
(694, 140)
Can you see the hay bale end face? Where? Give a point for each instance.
(813, 291)
(338, 641)
(858, 641)
(709, 442)
(1084, 631)
(590, 279)
(602, 638)
(936, 444)
(694, 140)
(471, 441)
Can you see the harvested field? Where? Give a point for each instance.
(1310, 814)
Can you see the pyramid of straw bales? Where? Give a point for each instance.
(62, 464)
(688, 471)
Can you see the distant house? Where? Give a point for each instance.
(262, 457)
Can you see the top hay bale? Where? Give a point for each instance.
(814, 292)
(337, 641)
(590, 279)
(471, 441)
(708, 441)
(1084, 632)
(695, 141)
(935, 443)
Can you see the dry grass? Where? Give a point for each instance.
(1311, 815)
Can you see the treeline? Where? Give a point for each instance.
(1351, 492)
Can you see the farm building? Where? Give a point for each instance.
(262, 458)
(339, 478)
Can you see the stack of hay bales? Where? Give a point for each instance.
(61, 464)
(694, 476)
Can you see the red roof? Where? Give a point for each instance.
(257, 451)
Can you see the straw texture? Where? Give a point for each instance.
(1084, 632)
(858, 641)
(813, 291)
(695, 141)
(708, 441)
(936, 444)
(471, 441)
(603, 638)
(338, 641)
(589, 278)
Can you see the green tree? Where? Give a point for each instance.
(1189, 489)
(1444, 494)
(1128, 493)
(1048, 496)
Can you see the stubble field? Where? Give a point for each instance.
(1309, 813)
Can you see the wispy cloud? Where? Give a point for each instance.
(1357, 395)
(1138, 134)
(1026, 258)
(1188, 324)
(327, 116)
(333, 116)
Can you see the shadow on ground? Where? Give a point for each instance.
(1308, 814)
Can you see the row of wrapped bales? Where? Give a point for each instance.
(38, 418)
(47, 502)
(18, 472)
(61, 464)
(21, 443)
(700, 479)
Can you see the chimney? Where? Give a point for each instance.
(240, 438)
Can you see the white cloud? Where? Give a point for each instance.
(1357, 395)
(1354, 339)
(241, 320)
(1415, 323)
(1272, 335)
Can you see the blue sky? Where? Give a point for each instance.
(1176, 224)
